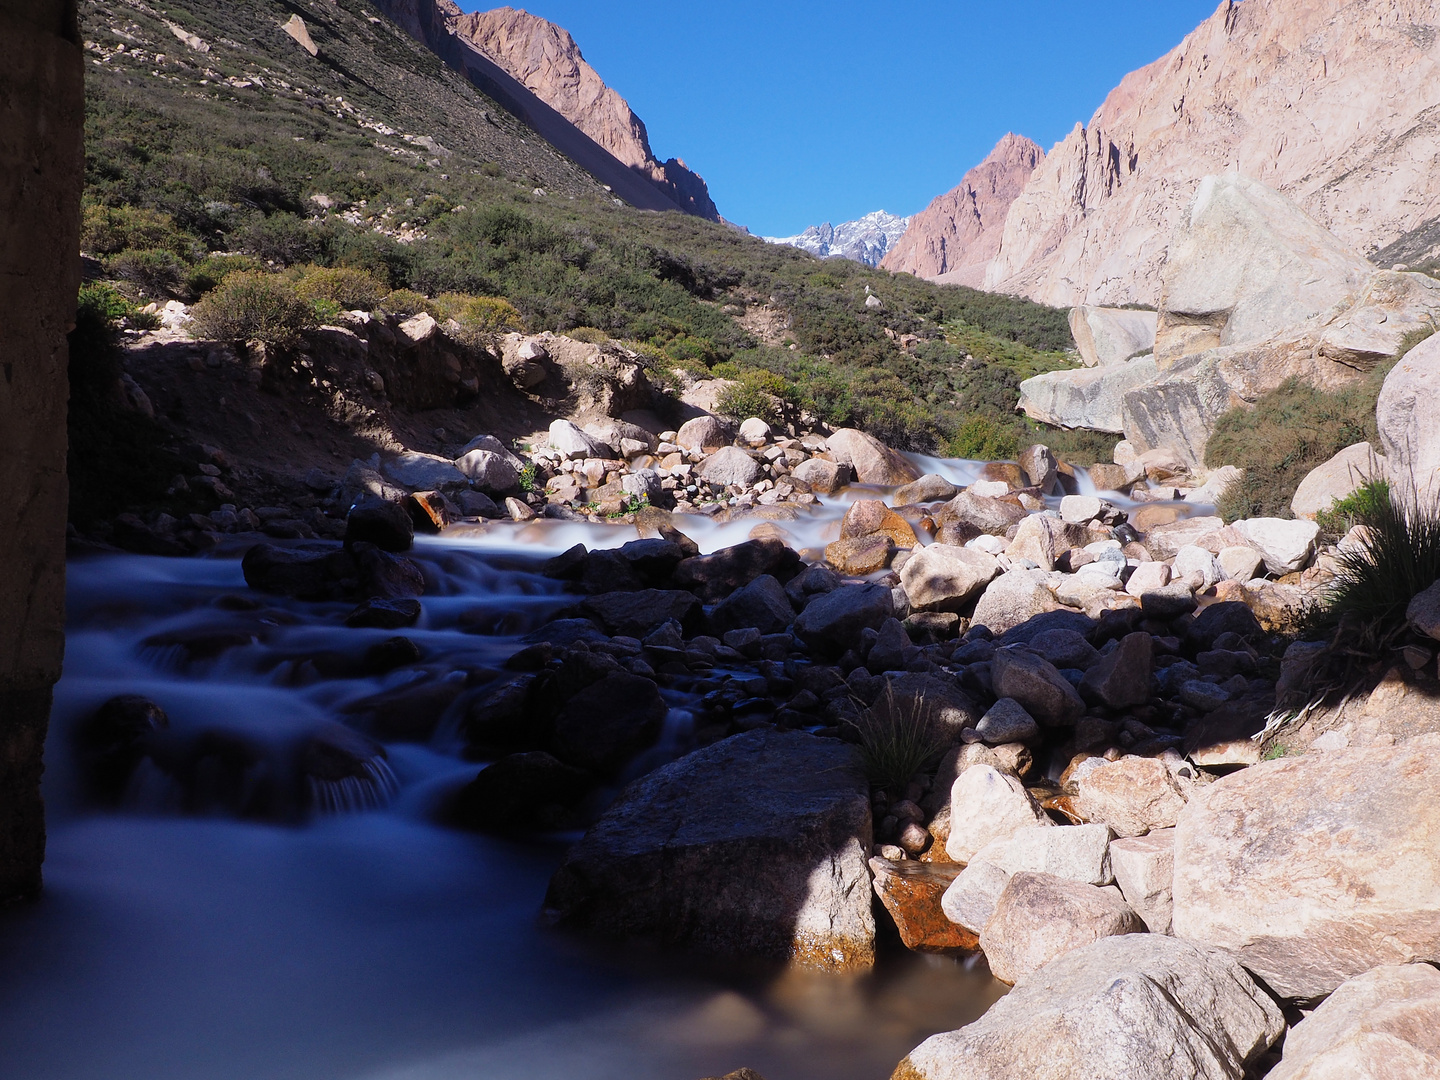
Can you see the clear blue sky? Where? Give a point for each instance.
(802, 112)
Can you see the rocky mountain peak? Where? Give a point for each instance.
(1332, 105)
(956, 236)
(546, 60)
(866, 239)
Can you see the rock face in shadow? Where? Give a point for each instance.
(1134, 1007)
(41, 172)
(755, 846)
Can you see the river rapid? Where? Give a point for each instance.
(357, 939)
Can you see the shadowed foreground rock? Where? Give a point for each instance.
(1135, 1007)
(1315, 869)
(755, 846)
(41, 171)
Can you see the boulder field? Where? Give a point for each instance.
(1090, 679)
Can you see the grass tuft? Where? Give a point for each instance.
(899, 737)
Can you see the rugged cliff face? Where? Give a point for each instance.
(958, 234)
(545, 59)
(1333, 104)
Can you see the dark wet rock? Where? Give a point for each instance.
(607, 570)
(390, 654)
(635, 613)
(406, 713)
(517, 791)
(1168, 602)
(387, 525)
(1059, 619)
(504, 718)
(331, 573)
(431, 511)
(382, 614)
(754, 846)
(531, 658)
(562, 632)
(715, 576)
(1230, 617)
(1037, 685)
(762, 605)
(605, 724)
(911, 893)
(888, 651)
(653, 560)
(811, 582)
(205, 642)
(112, 740)
(1122, 677)
(569, 565)
(343, 770)
(1065, 648)
(832, 623)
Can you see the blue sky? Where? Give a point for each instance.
(797, 113)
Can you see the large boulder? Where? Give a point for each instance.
(1091, 398)
(572, 442)
(1315, 869)
(634, 614)
(1335, 479)
(943, 577)
(1247, 263)
(1012, 599)
(1039, 917)
(703, 432)
(1134, 1007)
(1133, 795)
(715, 576)
(832, 623)
(872, 460)
(1286, 546)
(424, 472)
(1407, 415)
(988, 805)
(1036, 684)
(822, 475)
(608, 722)
(1383, 1025)
(986, 513)
(755, 846)
(1144, 868)
(1105, 336)
(729, 466)
(762, 604)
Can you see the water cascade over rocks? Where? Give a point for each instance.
(681, 736)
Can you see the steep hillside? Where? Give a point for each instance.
(866, 239)
(956, 236)
(212, 130)
(1333, 104)
(547, 61)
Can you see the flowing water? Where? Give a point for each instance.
(244, 924)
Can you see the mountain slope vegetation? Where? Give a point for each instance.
(216, 143)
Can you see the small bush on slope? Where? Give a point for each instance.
(252, 307)
(1284, 435)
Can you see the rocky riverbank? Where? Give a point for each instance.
(1023, 710)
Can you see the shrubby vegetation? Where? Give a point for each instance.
(193, 193)
(1284, 435)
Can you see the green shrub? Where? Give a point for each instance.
(109, 230)
(588, 334)
(985, 438)
(156, 271)
(213, 269)
(252, 307)
(1411, 338)
(755, 393)
(405, 303)
(1399, 557)
(481, 318)
(1363, 506)
(1284, 435)
(347, 288)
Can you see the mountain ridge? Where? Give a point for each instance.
(866, 239)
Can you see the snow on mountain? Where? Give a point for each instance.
(865, 240)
